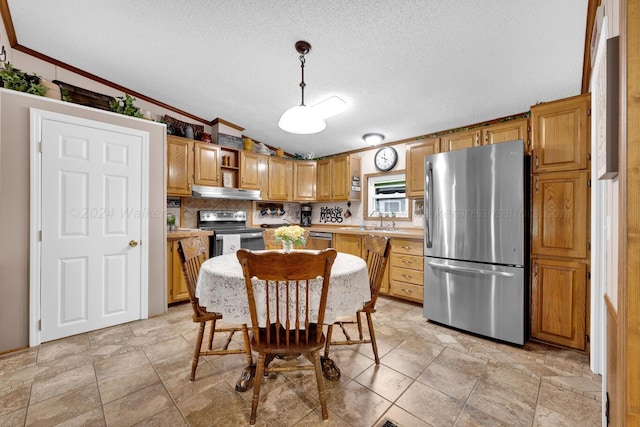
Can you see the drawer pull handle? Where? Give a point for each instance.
(408, 291)
(408, 276)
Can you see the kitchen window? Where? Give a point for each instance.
(386, 196)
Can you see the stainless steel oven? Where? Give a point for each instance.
(228, 222)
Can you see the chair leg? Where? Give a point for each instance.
(328, 341)
(247, 344)
(196, 352)
(315, 357)
(374, 345)
(211, 332)
(359, 325)
(256, 389)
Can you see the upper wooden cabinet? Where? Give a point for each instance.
(280, 179)
(460, 140)
(415, 164)
(179, 166)
(304, 180)
(324, 183)
(250, 170)
(338, 179)
(507, 131)
(207, 164)
(560, 132)
(560, 212)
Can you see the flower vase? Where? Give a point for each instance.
(287, 246)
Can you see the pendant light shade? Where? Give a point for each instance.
(301, 120)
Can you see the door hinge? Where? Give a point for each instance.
(40, 324)
(587, 339)
(589, 183)
(588, 246)
(40, 235)
(40, 146)
(588, 112)
(588, 275)
(607, 407)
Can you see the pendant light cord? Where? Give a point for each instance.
(302, 83)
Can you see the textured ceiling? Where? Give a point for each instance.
(406, 68)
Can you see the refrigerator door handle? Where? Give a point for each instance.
(469, 269)
(428, 202)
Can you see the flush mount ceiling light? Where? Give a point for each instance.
(302, 119)
(373, 138)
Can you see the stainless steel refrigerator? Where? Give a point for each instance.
(475, 240)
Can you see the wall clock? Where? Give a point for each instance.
(386, 158)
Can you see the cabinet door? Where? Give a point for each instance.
(348, 243)
(415, 164)
(207, 164)
(249, 170)
(178, 290)
(561, 134)
(559, 214)
(558, 302)
(323, 181)
(280, 178)
(304, 178)
(341, 178)
(460, 140)
(508, 131)
(179, 166)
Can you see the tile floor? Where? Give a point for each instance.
(137, 374)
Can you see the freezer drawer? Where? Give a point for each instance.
(484, 299)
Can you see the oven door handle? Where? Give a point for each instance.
(242, 235)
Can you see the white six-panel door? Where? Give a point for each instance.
(92, 217)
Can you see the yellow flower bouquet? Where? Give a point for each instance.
(290, 235)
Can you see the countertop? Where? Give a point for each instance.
(410, 233)
(182, 233)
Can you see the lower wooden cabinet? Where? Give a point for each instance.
(559, 302)
(348, 243)
(176, 285)
(406, 269)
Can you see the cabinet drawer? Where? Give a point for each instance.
(406, 246)
(407, 261)
(406, 275)
(406, 291)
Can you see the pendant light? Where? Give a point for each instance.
(302, 119)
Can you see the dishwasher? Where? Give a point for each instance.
(319, 240)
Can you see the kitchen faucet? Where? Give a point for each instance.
(381, 216)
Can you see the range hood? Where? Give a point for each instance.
(206, 192)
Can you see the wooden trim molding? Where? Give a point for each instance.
(629, 291)
(586, 62)
(218, 120)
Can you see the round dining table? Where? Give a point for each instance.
(221, 288)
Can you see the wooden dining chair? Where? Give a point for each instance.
(193, 252)
(287, 308)
(270, 242)
(376, 253)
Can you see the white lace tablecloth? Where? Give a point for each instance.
(221, 288)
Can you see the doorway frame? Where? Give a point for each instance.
(36, 117)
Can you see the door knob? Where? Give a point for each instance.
(133, 243)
